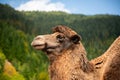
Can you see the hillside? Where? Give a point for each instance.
(17, 29)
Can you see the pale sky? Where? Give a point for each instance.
(87, 7)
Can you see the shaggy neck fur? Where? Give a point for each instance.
(71, 65)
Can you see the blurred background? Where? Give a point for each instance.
(98, 22)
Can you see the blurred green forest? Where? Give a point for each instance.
(17, 30)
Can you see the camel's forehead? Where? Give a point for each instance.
(65, 30)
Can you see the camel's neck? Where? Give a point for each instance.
(72, 64)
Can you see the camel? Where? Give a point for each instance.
(68, 59)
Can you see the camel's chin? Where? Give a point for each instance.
(50, 50)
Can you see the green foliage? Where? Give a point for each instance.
(15, 77)
(2, 60)
(12, 42)
(43, 76)
(17, 30)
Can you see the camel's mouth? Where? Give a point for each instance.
(39, 46)
(44, 47)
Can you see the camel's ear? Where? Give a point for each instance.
(75, 38)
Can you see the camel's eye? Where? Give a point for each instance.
(60, 38)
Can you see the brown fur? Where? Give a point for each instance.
(68, 59)
(110, 62)
(66, 31)
(72, 65)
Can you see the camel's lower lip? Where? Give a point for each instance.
(39, 47)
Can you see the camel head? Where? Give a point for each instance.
(54, 44)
